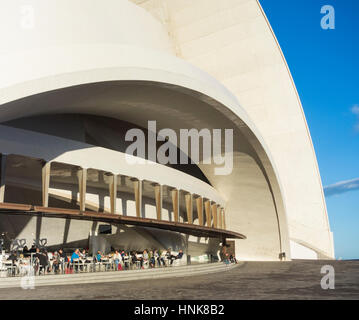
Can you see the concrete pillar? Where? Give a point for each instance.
(158, 198)
(46, 169)
(219, 217)
(82, 177)
(137, 185)
(224, 218)
(175, 204)
(199, 203)
(113, 193)
(214, 215)
(189, 208)
(3, 158)
(207, 206)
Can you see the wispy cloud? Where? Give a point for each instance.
(355, 110)
(341, 187)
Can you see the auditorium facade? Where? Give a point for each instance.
(76, 76)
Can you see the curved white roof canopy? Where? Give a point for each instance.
(78, 56)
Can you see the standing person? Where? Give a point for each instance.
(43, 261)
(56, 262)
(117, 258)
(126, 260)
(13, 258)
(33, 249)
(25, 252)
(49, 257)
(63, 260)
(98, 256)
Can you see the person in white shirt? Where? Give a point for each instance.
(117, 258)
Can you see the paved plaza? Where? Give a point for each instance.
(252, 280)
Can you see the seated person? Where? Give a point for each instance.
(152, 259)
(145, 256)
(12, 257)
(83, 254)
(232, 259)
(75, 255)
(138, 258)
(180, 254)
(170, 256)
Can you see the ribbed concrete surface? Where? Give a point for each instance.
(115, 276)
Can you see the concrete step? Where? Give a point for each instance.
(114, 276)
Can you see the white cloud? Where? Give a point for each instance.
(355, 111)
(341, 187)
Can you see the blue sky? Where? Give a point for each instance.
(325, 68)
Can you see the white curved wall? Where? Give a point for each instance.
(230, 39)
(26, 25)
(233, 41)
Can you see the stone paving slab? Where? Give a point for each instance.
(251, 280)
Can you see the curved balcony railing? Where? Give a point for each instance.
(104, 192)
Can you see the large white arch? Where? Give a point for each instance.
(62, 69)
(233, 41)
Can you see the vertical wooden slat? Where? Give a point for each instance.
(199, 202)
(3, 159)
(45, 183)
(138, 197)
(82, 177)
(189, 208)
(207, 206)
(214, 215)
(175, 204)
(113, 193)
(158, 198)
(220, 220)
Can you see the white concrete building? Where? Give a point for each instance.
(76, 75)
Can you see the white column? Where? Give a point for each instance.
(113, 193)
(175, 204)
(199, 202)
(138, 197)
(46, 168)
(3, 158)
(207, 206)
(189, 208)
(158, 198)
(82, 177)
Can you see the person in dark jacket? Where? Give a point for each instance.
(43, 260)
(13, 259)
(180, 254)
